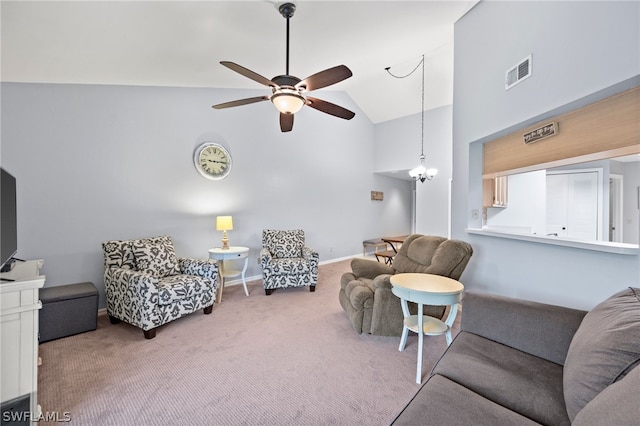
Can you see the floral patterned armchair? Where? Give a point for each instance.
(286, 261)
(147, 285)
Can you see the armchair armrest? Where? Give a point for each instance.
(310, 255)
(382, 281)
(199, 267)
(363, 268)
(535, 328)
(265, 257)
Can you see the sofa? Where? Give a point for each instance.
(517, 362)
(365, 293)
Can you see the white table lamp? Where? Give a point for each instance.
(224, 224)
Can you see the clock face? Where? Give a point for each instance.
(212, 161)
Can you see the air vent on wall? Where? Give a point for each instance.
(517, 73)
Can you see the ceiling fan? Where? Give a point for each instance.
(288, 91)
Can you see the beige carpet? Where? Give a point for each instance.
(291, 358)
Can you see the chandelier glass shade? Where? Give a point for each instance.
(421, 173)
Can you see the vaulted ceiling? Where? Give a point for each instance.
(180, 44)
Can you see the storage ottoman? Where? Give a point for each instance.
(68, 310)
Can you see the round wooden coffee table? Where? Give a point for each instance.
(426, 289)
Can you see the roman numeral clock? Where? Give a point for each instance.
(212, 161)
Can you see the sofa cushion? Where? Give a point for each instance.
(526, 384)
(155, 256)
(441, 401)
(603, 350)
(616, 405)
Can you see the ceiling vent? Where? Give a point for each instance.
(517, 73)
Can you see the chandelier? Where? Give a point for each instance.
(421, 172)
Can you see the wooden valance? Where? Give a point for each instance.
(604, 129)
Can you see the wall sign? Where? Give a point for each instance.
(545, 131)
(377, 195)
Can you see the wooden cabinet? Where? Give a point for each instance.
(495, 192)
(19, 305)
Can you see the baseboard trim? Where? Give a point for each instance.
(238, 281)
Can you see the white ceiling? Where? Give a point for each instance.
(180, 43)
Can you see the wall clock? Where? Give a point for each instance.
(212, 161)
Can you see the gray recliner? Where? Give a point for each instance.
(365, 293)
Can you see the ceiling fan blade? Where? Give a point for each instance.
(247, 73)
(329, 108)
(325, 78)
(286, 122)
(240, 102)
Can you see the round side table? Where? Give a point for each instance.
(426, 289)
(232, 253)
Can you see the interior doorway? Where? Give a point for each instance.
(574, 205)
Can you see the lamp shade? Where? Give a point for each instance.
(287, 101)
(224, 223)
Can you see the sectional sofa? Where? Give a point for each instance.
(518, 362)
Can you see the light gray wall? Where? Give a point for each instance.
(432, 197)
(397, 146)
(95, 163)
(579, 49)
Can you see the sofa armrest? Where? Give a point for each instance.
(532, 327)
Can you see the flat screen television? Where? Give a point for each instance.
(8, 219)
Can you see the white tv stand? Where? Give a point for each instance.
(19, 305)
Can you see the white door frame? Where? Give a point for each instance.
(616, 206)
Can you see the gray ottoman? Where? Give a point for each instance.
(68, 310)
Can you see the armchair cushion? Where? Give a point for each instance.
(283, 244)
(603, 350)
(155, 256)
(175, 288)
(118, 254)
(290, 265)
(433, 255)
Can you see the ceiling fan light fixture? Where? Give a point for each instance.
(287, 101)
(287, 89)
